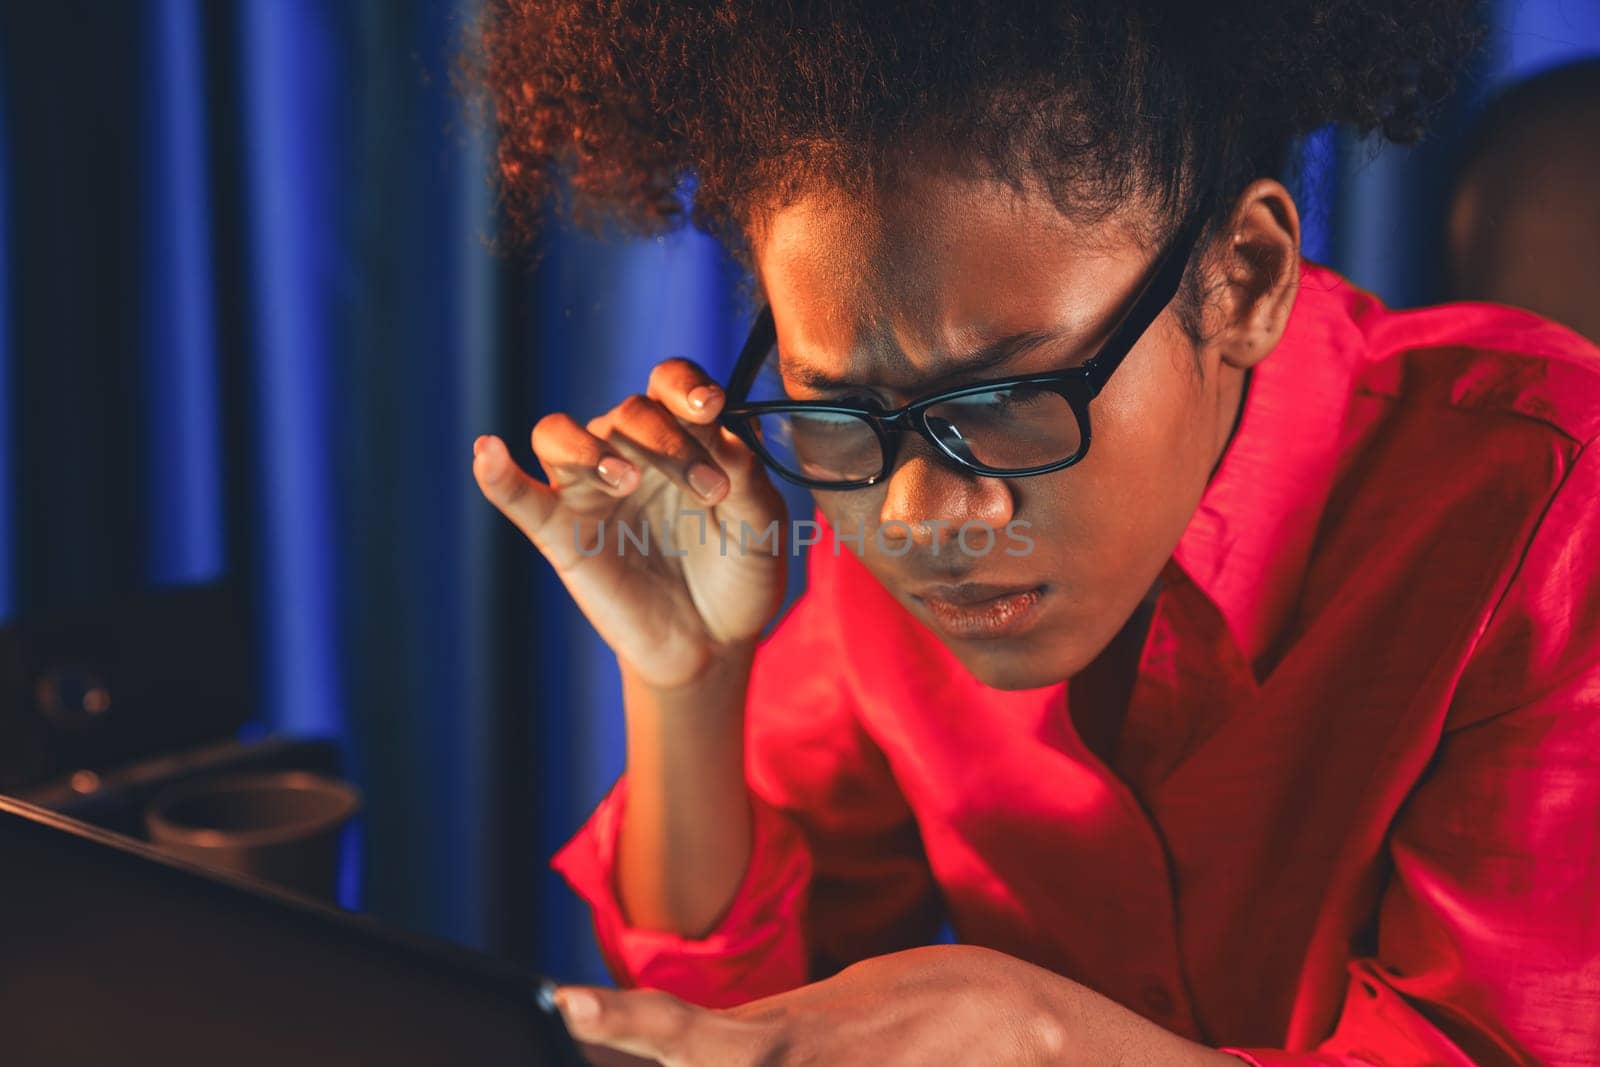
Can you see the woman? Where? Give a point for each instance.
(1264, 729)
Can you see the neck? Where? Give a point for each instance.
(1233, 426)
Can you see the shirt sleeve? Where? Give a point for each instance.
(837, 871)
(1489, 929)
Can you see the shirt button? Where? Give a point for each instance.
(1157, 999)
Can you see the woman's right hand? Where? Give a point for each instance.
(658, 460)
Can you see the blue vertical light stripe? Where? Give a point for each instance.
(461, 713)
(471, 685)
(291, 178)
(182, 480)
(1318, 177)
(1379, 239)
(8, 425)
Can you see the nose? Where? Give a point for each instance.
(928, 499)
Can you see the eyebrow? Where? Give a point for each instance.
(994, 354)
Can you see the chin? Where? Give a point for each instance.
(1010, 669)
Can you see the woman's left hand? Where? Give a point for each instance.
(937, 1004)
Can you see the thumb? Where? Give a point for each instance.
(644, 1022)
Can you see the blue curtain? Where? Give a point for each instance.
(1384, 213)
(250, 322)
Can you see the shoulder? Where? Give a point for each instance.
(1487, 359)
(1457, 399)
(1472, 477)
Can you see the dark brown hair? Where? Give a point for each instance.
(651, 113)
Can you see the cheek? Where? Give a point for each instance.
(1163, 366)
(1151, 429)
(1125, 504)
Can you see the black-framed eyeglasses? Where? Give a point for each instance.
(1004, 428)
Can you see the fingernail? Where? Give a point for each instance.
(701, 397)
(612, 470)
(477, 445)
(546, 996)
(577, 1005)
(705, 479)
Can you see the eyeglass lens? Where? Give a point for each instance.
(1019, 427)
(1013, 428)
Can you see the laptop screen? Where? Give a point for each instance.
(110, 953)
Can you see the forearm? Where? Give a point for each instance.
(685, 838)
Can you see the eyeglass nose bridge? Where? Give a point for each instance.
(892, 427)
(914, 420)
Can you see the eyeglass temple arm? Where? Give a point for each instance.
(763, 335)
(1157, 293)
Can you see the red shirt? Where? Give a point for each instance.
(1353, 813)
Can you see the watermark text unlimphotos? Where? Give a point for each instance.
(892, 538)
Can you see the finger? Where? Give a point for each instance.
(571, 455)
(686, 390)
(728, 451)
(659, 1026)
(643, 430)
(742, 466)
(644, 1022)
(527, 503)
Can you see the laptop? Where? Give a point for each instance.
(113, 953)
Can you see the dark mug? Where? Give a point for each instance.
(278, 826)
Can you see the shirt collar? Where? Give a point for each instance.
(1249, 541)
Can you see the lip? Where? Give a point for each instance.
(982, 611)
(971, 592)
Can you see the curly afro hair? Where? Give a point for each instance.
(652, 113)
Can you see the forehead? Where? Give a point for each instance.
(896, 290)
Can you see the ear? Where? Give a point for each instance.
(1255, 276)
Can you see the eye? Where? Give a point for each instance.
(860, 400)
(1018, 397)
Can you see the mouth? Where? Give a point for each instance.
(975, 610)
